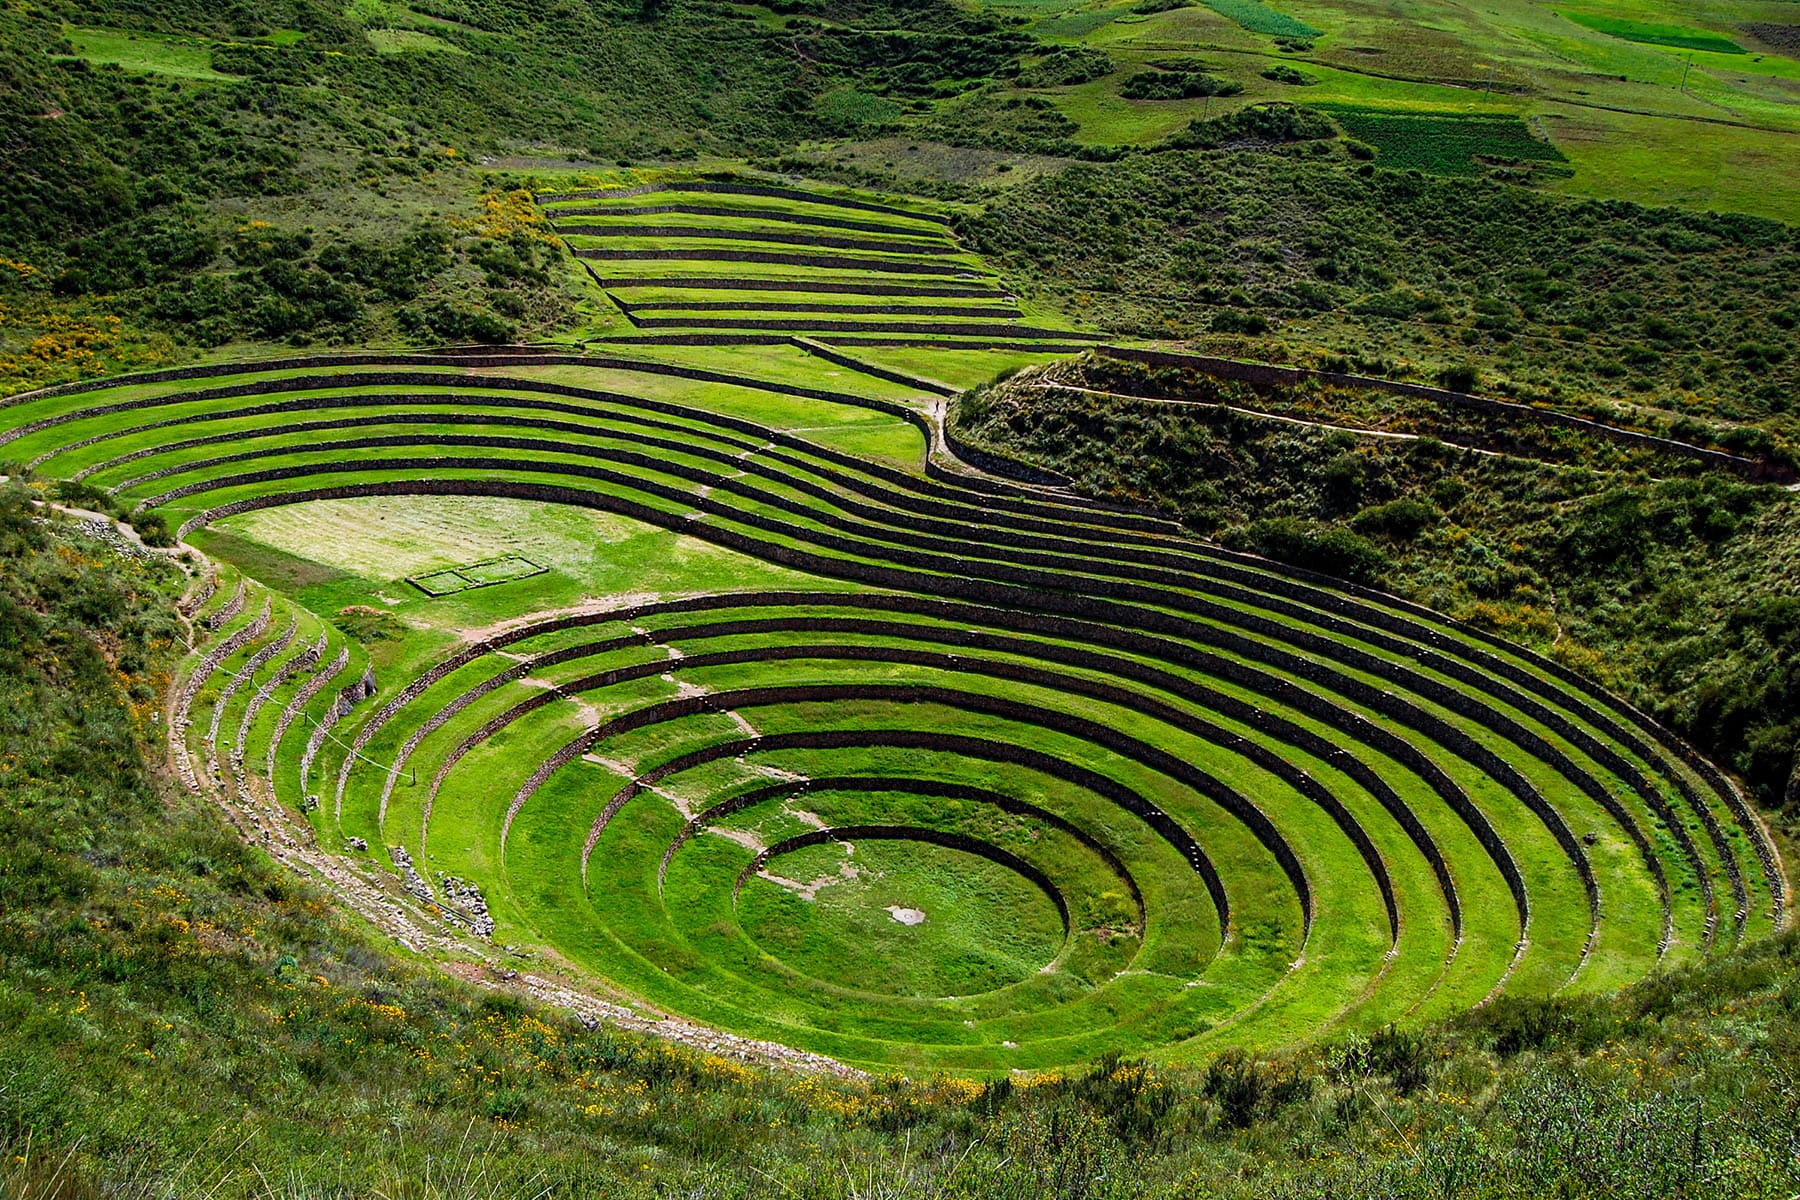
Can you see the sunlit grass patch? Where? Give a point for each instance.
(1681, 37)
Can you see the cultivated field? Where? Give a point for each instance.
(706, 676)
(1685, 104)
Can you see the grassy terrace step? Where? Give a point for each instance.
(750, 231)
(952, 328)
(1313, 806)
(744, 252)
(768, 208)
(683, 306)
(790, 216)
(940, 341)
(753, 191)
(802, 285)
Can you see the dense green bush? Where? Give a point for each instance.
(1331, 549)
(1176, 85)
(995, 120)
(1282, 73)
(1404, 519)
(1064, 66)
(1257, 125)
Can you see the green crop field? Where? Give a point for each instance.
(1638, 104)
(1443, 143)
(1679, 36)
(1260, 18)
(678, 669)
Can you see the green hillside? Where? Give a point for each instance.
(840, 598)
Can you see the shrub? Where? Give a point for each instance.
(1247, 1090)
(1230, 320)
(81, 495)
(1267, 124)
(1282, 73)
(1135, 1103)
(449, 323)
(1176, 85)
(370, 625)
(1402, 519)
(1331, 549)
(1459, 378)
(1345, 475)
(153, 529)
(1402, 1057)
(1513, 1026)
(1066, 66)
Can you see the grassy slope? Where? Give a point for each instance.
(182, 1017)
(1401, 272)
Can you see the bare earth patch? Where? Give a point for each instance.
(906, 916)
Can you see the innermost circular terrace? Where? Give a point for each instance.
(837, 911)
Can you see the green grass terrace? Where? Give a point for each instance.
(785, 735)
